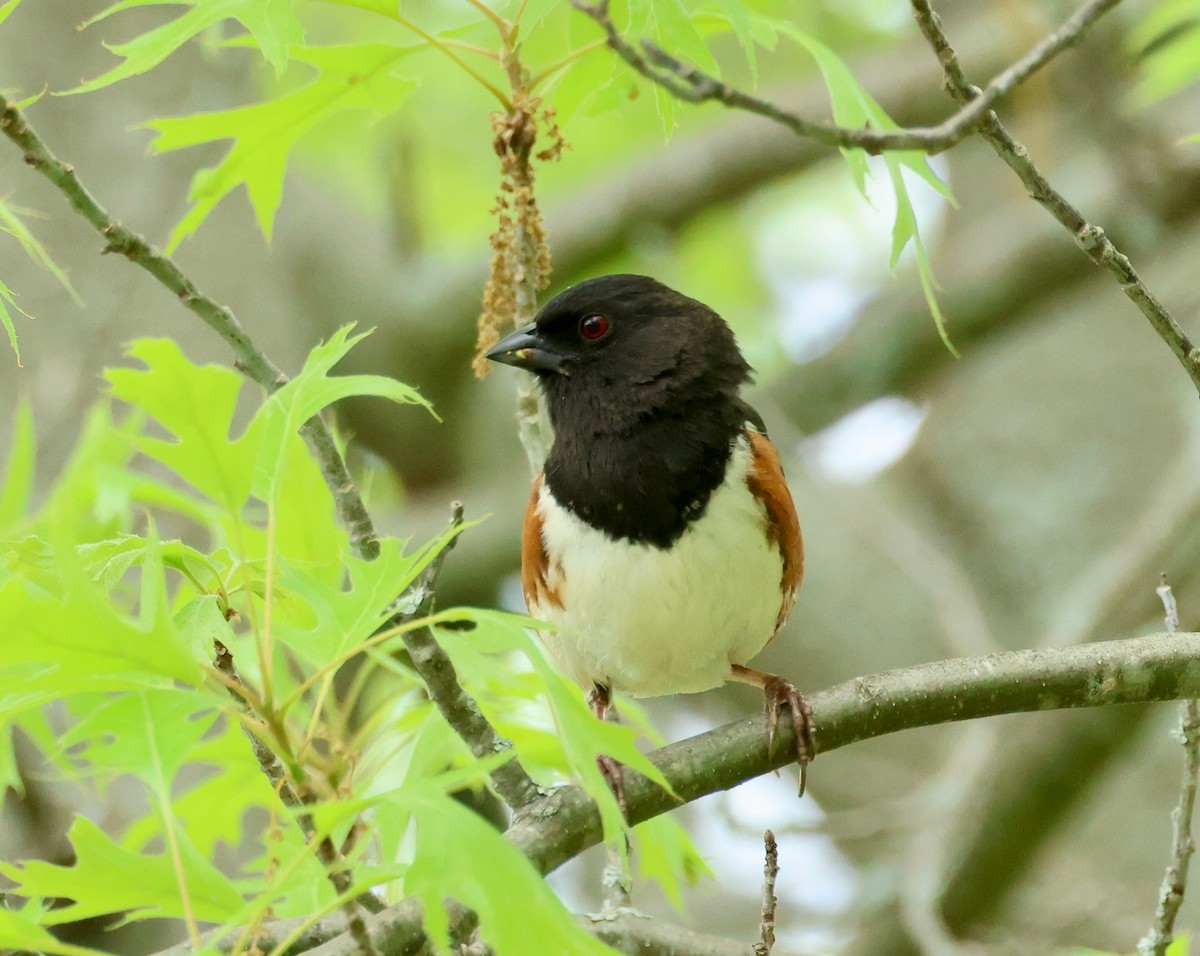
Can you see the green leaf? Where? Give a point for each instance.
(343, 619)
(581, 737)
(743, 29)
(23, 708)
(904, 230)
(84, 641)
(196, 405)
(8, 301)
(19, 934)
(85, 498)
(669, 25)
(1166, 46)
(451, 842)
(201, 622)
(352, 77)
(18, 470)
(285, 410)
(148, 734)
(11, 222)
(108, 878)
(854, 107)
(271, 23)
(5, 12)
(665, 853)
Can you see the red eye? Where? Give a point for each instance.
(593, 327)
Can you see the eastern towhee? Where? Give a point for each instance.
(660, 540)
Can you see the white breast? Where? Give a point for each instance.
(647, 621)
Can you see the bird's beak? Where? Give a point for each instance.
(528, 350)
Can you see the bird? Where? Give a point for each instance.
(660, 539)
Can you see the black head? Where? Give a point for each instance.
(626, 346)
(642, 388)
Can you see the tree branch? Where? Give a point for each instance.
(640, 935)
(692, 85)
(247, 356)
(1090, 238)
(1174, 884)
(562, 824)
(1160, 667)
(458, 707)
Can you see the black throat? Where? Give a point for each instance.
(647, 482)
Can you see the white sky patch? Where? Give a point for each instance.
(863, 443)
(511, 597)
(815, 878)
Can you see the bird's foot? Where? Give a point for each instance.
(777, 694)
(612, 771)
(600, 702)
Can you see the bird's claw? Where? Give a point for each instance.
(778, 693)
(612, 772)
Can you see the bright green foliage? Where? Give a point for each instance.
(20, 932)
(12, 223)
(669, 857)
(272, 24)
(854, 107)
(560, 48)
(7, 302)
(579, 737)
(7, 8)
(457, 848)
(195, 404)
(107, 878)
(353, 77)
(117, 628)
(1168, 46)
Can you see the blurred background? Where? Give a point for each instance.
(1025, 494)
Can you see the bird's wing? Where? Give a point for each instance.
(535, 562)
(768, 485)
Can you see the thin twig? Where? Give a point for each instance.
(688, 83)
(766, 926)
(248, 357)
(1090, 238)
(331, 860)
(1174, 883)
(459, 709)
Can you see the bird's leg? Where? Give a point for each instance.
(778, 692)
(600, 701)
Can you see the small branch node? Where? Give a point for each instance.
(1090, 238)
